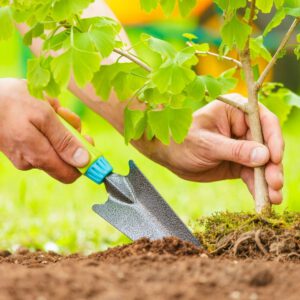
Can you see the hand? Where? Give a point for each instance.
(219, 146)
(32, 136)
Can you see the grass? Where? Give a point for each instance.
(38, 212)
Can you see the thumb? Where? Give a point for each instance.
(64, 143)
(247, 153)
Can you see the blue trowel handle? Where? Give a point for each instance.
(98, 168)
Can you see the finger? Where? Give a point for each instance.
(42, 156)
(53, 102)
(89, 139)
(275, 196)
(64, 143)
(70, 117)
(272, 134)
(247, 176)
(274, 176)
(247, 153)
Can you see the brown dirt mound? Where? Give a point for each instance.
(170, 246)
(163, 270)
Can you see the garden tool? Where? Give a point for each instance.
(134, 207)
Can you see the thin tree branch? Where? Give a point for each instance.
(133, 59)
(235, 103)
(252, 12)
(274, 59)
(231, 59)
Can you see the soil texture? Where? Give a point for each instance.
(166, 269)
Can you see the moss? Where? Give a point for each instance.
(248, 234)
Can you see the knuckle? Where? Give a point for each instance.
(238, 149)
(43, 113)
(64, 142)
(22, 165)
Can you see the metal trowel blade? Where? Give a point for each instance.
(136, 209)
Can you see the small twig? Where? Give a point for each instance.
(252, 12)
(259, 243)
(133, 59)
(235, 103)
(274, 59)
(224, 57)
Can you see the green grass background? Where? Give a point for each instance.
(39, 212)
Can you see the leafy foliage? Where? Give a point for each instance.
(169, 88)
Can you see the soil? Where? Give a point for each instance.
(166, 269)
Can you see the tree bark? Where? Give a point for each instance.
(262, 202)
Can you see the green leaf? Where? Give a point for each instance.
(258, 49)
(230, 5)
(264, 5)
(170, 122)
(172, 77)
(83, 64)
(161, 47)
(235, 32)
(6, 23)
(102, 33)
(56, 41)
(149, 5)
(279, 99)
(294, 12)
(204, 47)
(64, 9)
(213, 86)
(38, 77)
(168, 6)
(292, 99)
(275, 22)
(278, 3)
(196, 89)
(124, 78)
(35, 31)
(135, 124)
(186, 6)
(227, 81)
(190, 36)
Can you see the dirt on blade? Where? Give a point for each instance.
(167, 269)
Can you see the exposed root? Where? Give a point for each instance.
(259, 243)
(250, 235)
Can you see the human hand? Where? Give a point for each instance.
(32, 136)
(219, 146)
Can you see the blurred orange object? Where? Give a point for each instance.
(129, 12)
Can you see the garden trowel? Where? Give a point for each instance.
(134, 206)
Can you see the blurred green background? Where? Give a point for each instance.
(38, 212)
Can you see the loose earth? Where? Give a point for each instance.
(167, 269)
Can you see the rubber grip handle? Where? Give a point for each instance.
(95, 154)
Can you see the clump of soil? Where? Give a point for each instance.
(246, 235)
(169, 246)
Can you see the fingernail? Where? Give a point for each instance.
(81, 157)
(259, 155)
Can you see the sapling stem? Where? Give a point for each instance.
(262, 202)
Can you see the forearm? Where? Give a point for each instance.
(112, 110)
